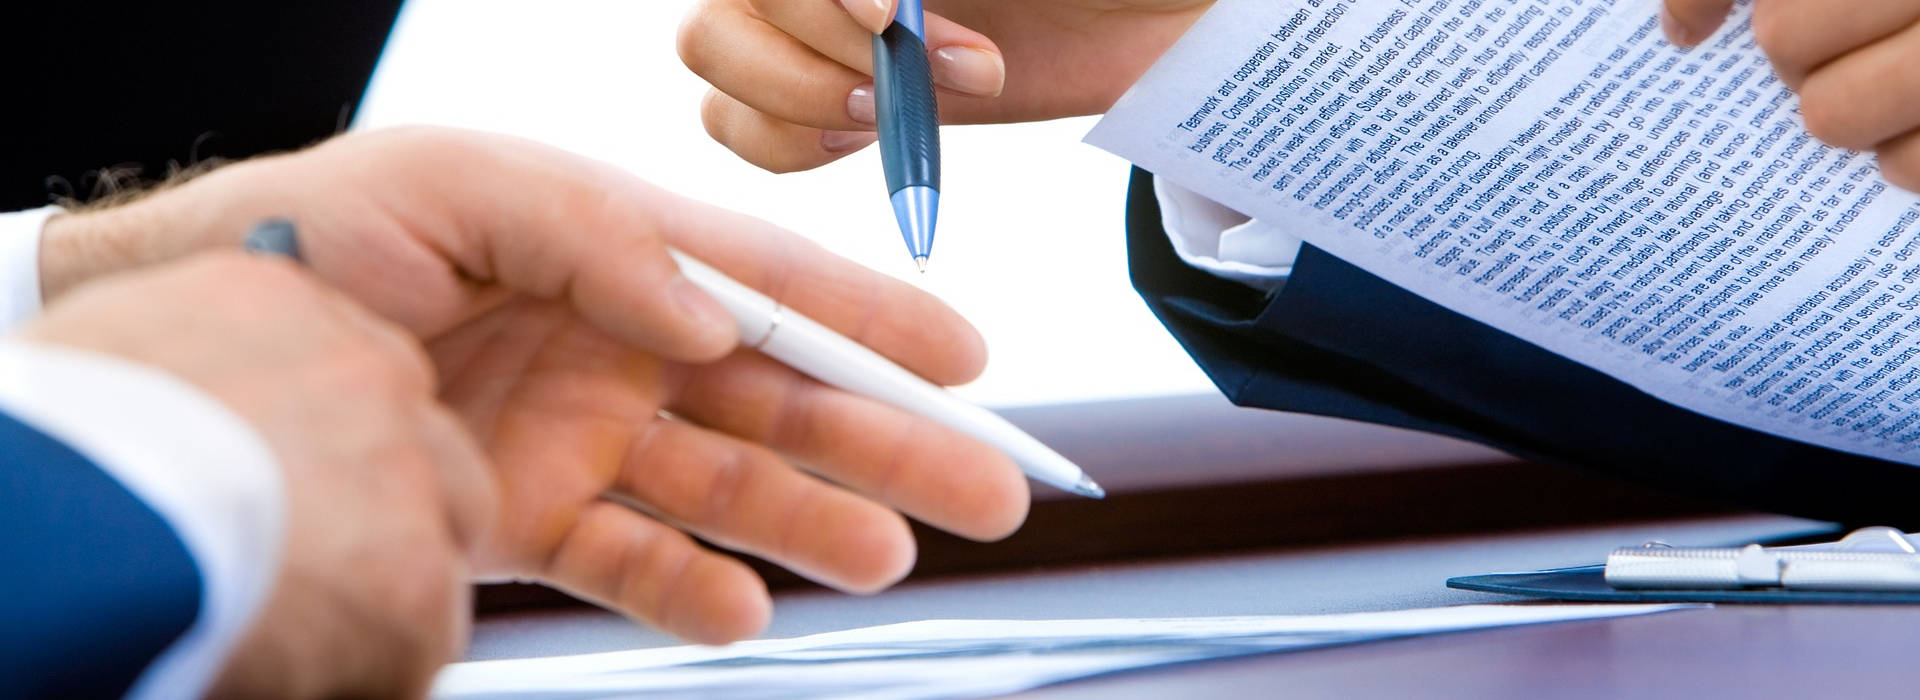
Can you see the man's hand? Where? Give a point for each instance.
(386, 491)
(596, 377)
(793, 85)
(1851, 62)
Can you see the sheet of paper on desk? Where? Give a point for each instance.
(1557, 170)
(964, 658)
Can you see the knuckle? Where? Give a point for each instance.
(769, 156)
(713, 116)
(728, 123)
(780, 163)
(695, 35)
(601, 201)
(794, 420)
(726, 484)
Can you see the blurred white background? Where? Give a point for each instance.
(1030, 247)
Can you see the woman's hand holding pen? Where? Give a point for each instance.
(1851, 62)
(792, 88)
(619, 417)
(792, 78)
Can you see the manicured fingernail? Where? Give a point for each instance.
(860, 104)
(697, 306)
(844, 141)
(875, 15)
(1677, 32)
(971, 71)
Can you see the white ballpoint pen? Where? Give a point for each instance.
(816, 351)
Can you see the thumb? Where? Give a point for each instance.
(1689, 22)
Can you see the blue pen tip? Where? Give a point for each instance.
(917, 209)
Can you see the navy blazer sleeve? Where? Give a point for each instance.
(94, 584)
(1337, 341)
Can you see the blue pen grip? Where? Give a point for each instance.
(908, 115)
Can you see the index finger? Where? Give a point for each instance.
(895, 319)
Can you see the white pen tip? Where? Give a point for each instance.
(1086, 487)
(922, 262)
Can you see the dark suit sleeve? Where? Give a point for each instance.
(96, 585)
(1337, 341)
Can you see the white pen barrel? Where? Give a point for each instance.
(835, 360)
(821, 353)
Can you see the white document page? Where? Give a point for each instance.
(965, 658)
(1556, 169)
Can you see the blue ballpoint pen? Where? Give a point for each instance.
(909, 124)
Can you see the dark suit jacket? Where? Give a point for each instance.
(93, 583)
(1337, 341)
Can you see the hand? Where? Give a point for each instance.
(565, 338)
(793, 85)
(1852, 64)
(386, 492)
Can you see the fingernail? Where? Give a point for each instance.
(872, 14)
(844, 141)
(697, 306)
(971, 71)
(860, 104)
(1677, 32)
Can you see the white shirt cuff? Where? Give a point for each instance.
(196, 463)
(1227, 243)
(20, 264)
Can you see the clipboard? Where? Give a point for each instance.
(1588, 584)
(1870, 566)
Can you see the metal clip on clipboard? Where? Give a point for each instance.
(1868, 559)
